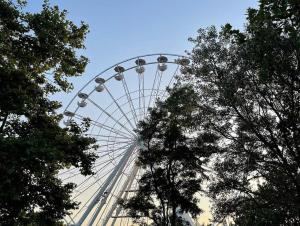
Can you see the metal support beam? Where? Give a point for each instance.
(107, 187)
(127, 184)
(112, 184)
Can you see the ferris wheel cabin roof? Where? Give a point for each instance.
(119, 69)
(162, 59)
(140, 62)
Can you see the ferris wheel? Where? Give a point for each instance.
(114, 101)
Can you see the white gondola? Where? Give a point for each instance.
(100, 80)
(140, 69)
(162, 60)
(119, 77)
(119, 69)
(162, 67)
(83, 95)
(69, 113)
(183, 61)
(99, 88)
(81, 103)
(140, 62)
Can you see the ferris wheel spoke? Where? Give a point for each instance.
(113, 141)
(105, 127)
(112, 130)
(129, 112)
(97, 179)
(114, 148)
(129, 99)
(110, 162)
(139, 77)
(109, 115)
(98, 164)
(105, 147)
(112, 97)
(152, 89)
(94, 192)
(110, 151)
(172, 78)
(71, 219)
(158, 85)
(143, 88)
(85, 204)
(76, 174)
(113, 158)
(107, 136)
(129, 118)
(106, 152)
(141, 95)
(92, 184)
(79, 186)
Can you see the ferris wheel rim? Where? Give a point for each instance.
(122, 62)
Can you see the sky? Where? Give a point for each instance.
(121, 29)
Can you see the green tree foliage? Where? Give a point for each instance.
(33, 147)
(249, 84)
(171, 160)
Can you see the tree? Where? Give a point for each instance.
(249, 84)
(171, 161)
(35, 47)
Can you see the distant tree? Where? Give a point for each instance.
(171, 161)
(36, 47)
(249, 84)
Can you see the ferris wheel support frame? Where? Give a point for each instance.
(127, 184)
(107, 186)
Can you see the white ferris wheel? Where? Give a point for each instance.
(114, 101)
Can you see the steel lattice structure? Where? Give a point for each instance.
(114, 101)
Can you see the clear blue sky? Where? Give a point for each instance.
(121, 29)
